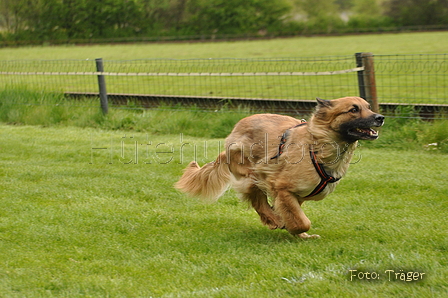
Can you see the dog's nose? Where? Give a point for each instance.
(379, 118)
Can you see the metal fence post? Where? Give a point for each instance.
(366, 79)
(102, 86)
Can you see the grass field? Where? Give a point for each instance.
(25, 107)
(384, 44)
(83, 222)
(411, 80)
(88, 208)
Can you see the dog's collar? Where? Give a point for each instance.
(325, 178)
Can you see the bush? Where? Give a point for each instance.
(237, 17)
(418, 12)
(366, 23)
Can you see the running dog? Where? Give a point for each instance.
(288, 160)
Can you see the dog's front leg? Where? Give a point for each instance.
(295, 220)
(259, 201)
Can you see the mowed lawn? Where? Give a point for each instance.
(92, 213)
(399, 79)
(315, 46)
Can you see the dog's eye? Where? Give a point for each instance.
(354, 110)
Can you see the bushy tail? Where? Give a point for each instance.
(208, 182)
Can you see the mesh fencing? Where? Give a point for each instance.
(414, 79)
(281, 83)
(294, 78)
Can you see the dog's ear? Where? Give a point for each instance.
(323, 102)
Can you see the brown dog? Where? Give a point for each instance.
(287, 159)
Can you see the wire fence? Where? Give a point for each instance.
(415, 79)
(295, 78)
(420, 80)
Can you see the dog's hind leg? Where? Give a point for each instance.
(259, 201)
(243, 182)
(289, 208)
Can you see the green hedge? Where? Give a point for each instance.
(74, 21)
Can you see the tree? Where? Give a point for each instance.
(322, 15)
(235, 16)
(366, 8)
(11, 15)
(418, 12)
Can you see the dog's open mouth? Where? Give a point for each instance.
(364, 133)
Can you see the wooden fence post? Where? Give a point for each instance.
(102, 86)
(366, 79)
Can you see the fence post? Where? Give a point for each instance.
(362, 92)
(366, 79)
(102, 86)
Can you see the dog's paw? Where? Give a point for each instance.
(307, 236)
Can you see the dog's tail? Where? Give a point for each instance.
(208, 182)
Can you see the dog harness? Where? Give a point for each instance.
(324, 177)
(284, 137)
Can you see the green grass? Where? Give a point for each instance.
(24, 107)
(397, 81)
(47, 109)
(79, 222)
(402, 43)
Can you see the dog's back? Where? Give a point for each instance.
(258, 136)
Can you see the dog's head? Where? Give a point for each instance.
(350, 118)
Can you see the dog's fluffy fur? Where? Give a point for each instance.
(249, 166)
